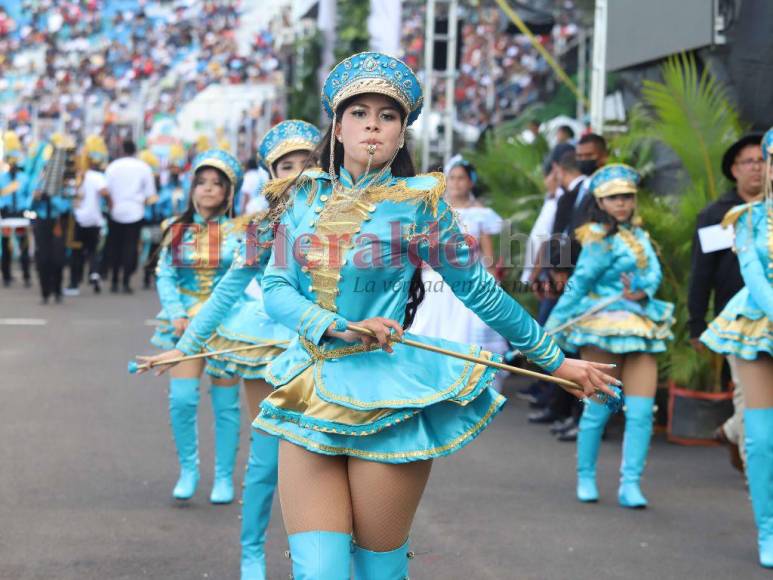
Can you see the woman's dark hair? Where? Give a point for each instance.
(186, 217)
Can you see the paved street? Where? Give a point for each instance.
(87, 468)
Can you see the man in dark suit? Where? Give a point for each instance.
(717, 272)
(562, 409)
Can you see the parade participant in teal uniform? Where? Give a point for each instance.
(14, 201)
(237, 321)
(744, 329)
(617, 259)
(360, 424)
(189, 269)
(53, 192)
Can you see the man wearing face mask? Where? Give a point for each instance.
(592, 154)
(572, 167)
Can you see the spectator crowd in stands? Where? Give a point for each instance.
(94, 61)
(499, 73)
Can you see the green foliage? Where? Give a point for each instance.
(303, 96)
(352, 28)
(635, 146)
(694, 118)
(691, 115)
(511, 171)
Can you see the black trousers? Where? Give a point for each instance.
(88, 239)
(49, 254)
(122, 251)
(22, 241)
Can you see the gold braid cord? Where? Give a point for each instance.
(342, 218)
(629, 238)
(318, 354)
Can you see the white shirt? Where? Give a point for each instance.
(130, 182)
(540, 232)
(88, 213)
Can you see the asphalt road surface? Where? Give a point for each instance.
(87, 467)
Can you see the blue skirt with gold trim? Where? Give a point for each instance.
(413, 405)
(247, 324)
(619, 332)
(742, 329)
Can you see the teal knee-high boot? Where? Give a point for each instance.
(321, 555)
(392, 565)
(594, 419)
(225, 408)
(183, 407)
(636, 444)
(259, 484)
(759, 471)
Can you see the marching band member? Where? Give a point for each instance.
(52, 203)
(286, 150)
(364, 423)
(14, 201)
(744, 330)
(189, 268)
(617, 259)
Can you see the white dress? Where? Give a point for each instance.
(441, 314)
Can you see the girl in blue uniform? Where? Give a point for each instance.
(361, 418)
(197, 250)
(230, 319)
(744, 330)
(617, 259)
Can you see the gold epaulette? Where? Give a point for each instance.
(735, 214)
(409, 190)
(590, 232)
(279, 187)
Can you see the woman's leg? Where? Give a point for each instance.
(594, 419)
(317, 512)
(225, 409)
(260, 480)
(384, 501)
(183, 408)
(757, 380)
(640, 380)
